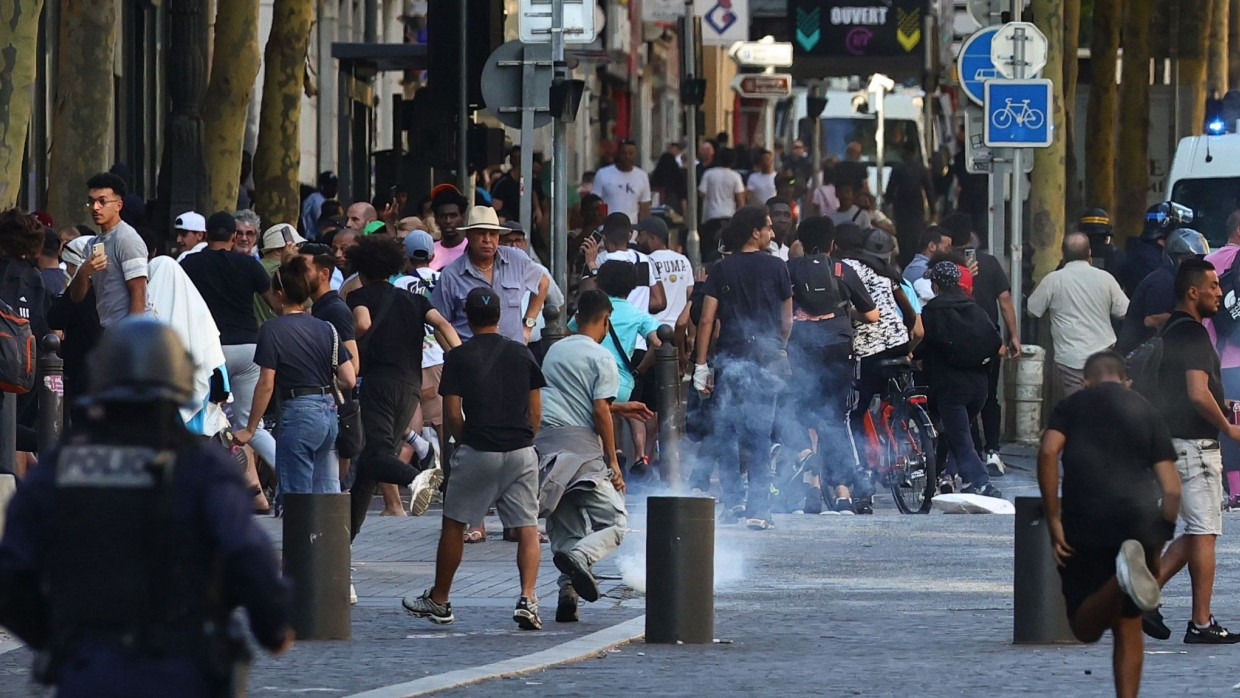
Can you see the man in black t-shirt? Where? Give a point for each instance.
(750, 294)
(228, 282)
(822, 362)
(1107, 539)
(1190, 398)
(496, 382)
(390, 326)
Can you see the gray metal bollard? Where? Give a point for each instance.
(1039, 614)
(680, 570)
(316, 561)
(671, 416)
(51, 394)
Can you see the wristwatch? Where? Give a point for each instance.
(531, 322)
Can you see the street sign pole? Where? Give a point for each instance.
(1018, 170)
(688, 42)
(559, 176)
(529, 97)
(464, 176)
(768, 119)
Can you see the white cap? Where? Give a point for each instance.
(191, 221)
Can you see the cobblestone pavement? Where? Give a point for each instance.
(826, 605)
(888, 605)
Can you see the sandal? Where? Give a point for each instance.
(475, 536)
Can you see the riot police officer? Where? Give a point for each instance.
(1145, 253)
(1154, 299)
(127, 550)
(1096, 224)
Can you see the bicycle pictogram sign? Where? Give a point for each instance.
(1018, 113)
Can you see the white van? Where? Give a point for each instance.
(1205, 176)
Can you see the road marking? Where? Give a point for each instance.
(571, 651)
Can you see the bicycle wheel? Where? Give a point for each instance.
(1002, 118)
(1034, 119)
(911, 454)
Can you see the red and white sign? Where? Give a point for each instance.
(763, 85)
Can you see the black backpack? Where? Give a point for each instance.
(1227, 320)
(965, 335)
(819, 290)
(1145, 362)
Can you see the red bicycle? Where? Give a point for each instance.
(900, 439)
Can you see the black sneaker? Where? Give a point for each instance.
(425, 607)
(1154, 626)
(863, 505)
(947, 484)
(566, 608)
(731, 515)
(1215, 634)
(578, 575)
(987, 490)
(813, 501)
(844, 505)
(526, 614)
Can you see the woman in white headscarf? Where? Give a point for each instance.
(78, 323)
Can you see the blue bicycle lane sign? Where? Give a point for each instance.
(1018, 113)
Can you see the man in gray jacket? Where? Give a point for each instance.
(582, 493)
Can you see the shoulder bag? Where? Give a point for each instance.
(350, 438)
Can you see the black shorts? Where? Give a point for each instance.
(1089, 569)
(645, 385)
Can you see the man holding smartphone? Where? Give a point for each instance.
(117, 266)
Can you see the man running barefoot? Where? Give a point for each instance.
(496, 382)
(1111, 530)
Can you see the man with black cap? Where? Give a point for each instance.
(496, 382)
(228, 281)
(312, 207)
(128, 549)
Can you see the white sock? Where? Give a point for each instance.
(420, 445)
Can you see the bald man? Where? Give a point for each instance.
(1081, 300)
(362, 214)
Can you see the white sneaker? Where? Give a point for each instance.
(352, 595)
(423, 487)
(1135, 578)
(995, 465)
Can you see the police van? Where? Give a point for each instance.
(1205, 176)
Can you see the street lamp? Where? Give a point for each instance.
(879, 86)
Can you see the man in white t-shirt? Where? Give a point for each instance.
(761, 183)
(723, 192)
(624, 186)
(650, 297)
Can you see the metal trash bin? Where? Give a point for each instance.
(316, 561)
(1039, 615)
(680, 570)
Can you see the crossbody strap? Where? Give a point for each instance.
(335, 364)
(628, 360)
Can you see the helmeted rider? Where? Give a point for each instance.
(1145, 253)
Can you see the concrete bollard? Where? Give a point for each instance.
(1028, 397)
(316, 561)
(680, 570)
(8, 488)
(667, 367)
(51, 394)
(1039, 614)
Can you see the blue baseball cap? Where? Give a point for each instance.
(419, 245)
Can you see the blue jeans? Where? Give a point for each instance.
(744, 395)
(306, 446)
(958, 409)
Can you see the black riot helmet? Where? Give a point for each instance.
(1183, 243)
(140, 360)
(1162, 218)
(1095, 223)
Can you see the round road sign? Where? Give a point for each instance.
(974, 65)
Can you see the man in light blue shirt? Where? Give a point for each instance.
(617, 279)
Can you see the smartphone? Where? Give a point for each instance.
(287, 231)
(96, 249)
(970, 254)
